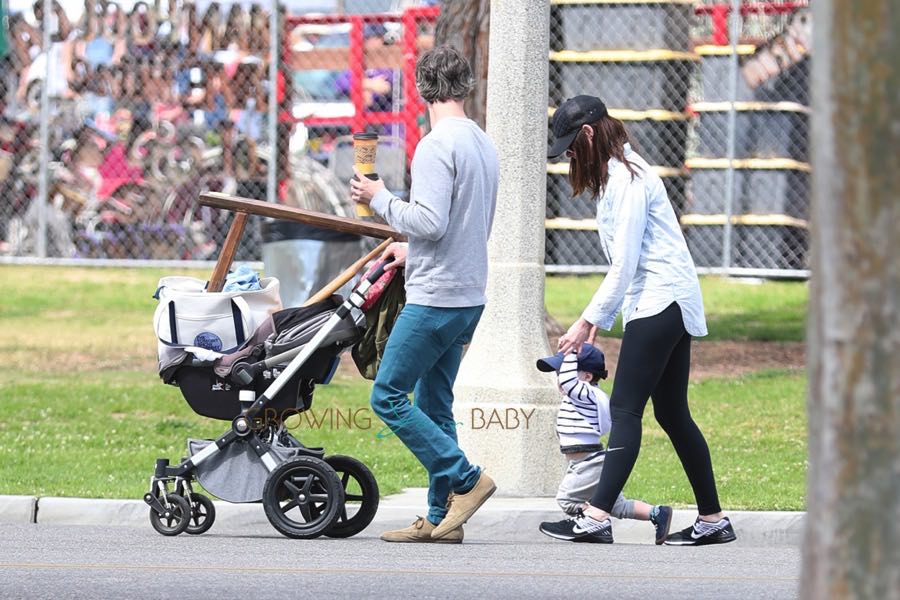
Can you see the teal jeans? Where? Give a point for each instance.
(422, 356)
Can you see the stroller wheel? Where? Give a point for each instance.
(176, 518)
(203, 514)
(303, 497)
(360, 496)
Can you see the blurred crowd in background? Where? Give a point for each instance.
(150, 104)
(174, 63)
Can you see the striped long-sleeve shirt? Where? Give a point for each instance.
(583, 410)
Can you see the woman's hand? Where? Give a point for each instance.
(398, 251)
(578, 334)
(363, 189)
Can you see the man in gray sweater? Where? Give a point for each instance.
(448, 221)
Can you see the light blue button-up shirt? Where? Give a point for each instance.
(650, 265)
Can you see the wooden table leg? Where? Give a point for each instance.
(226, 256)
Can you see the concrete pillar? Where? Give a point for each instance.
(506, 407)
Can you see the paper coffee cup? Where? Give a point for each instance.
(365, 146)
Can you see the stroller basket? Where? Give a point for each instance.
(213, 395)
(235, 474)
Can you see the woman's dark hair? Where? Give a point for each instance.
(443, 74)
(589, 164)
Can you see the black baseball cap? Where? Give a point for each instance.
(570, 116)
(590, 359)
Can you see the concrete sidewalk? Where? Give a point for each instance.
(509, 519)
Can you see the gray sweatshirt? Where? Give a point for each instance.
(449, 216)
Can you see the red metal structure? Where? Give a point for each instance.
(411, 105)
(719, 13)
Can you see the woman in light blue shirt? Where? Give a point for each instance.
(653, 282)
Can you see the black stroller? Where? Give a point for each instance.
(305, 493)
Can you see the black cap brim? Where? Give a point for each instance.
(551, 363)
(562, 144)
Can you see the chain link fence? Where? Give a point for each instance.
(145, 107)
(116, 116)
(109, 136)
(715, 96)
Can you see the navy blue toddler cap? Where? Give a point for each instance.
(590, 359)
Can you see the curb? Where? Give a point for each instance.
(18, 509)
(501, 518)
(131, 513)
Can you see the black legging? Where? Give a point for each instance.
(655, 362)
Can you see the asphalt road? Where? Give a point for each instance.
(55, 561)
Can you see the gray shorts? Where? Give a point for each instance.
(580, 482)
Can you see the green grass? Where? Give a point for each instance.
(69, 319)
(84, 414)
(756, 431)
(768, 311)
(84, 434)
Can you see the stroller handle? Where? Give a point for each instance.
(379, 270)
(245, 373)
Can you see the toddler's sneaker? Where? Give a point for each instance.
(662, 521)
(703, 533)
(580, 528)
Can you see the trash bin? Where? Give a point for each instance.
(305, 258)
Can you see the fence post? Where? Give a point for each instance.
(274, 109)
(43, 175)
(732, 135)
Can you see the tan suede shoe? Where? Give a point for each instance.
(463, 506)
(420, 532)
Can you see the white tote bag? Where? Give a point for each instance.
(189, 317)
